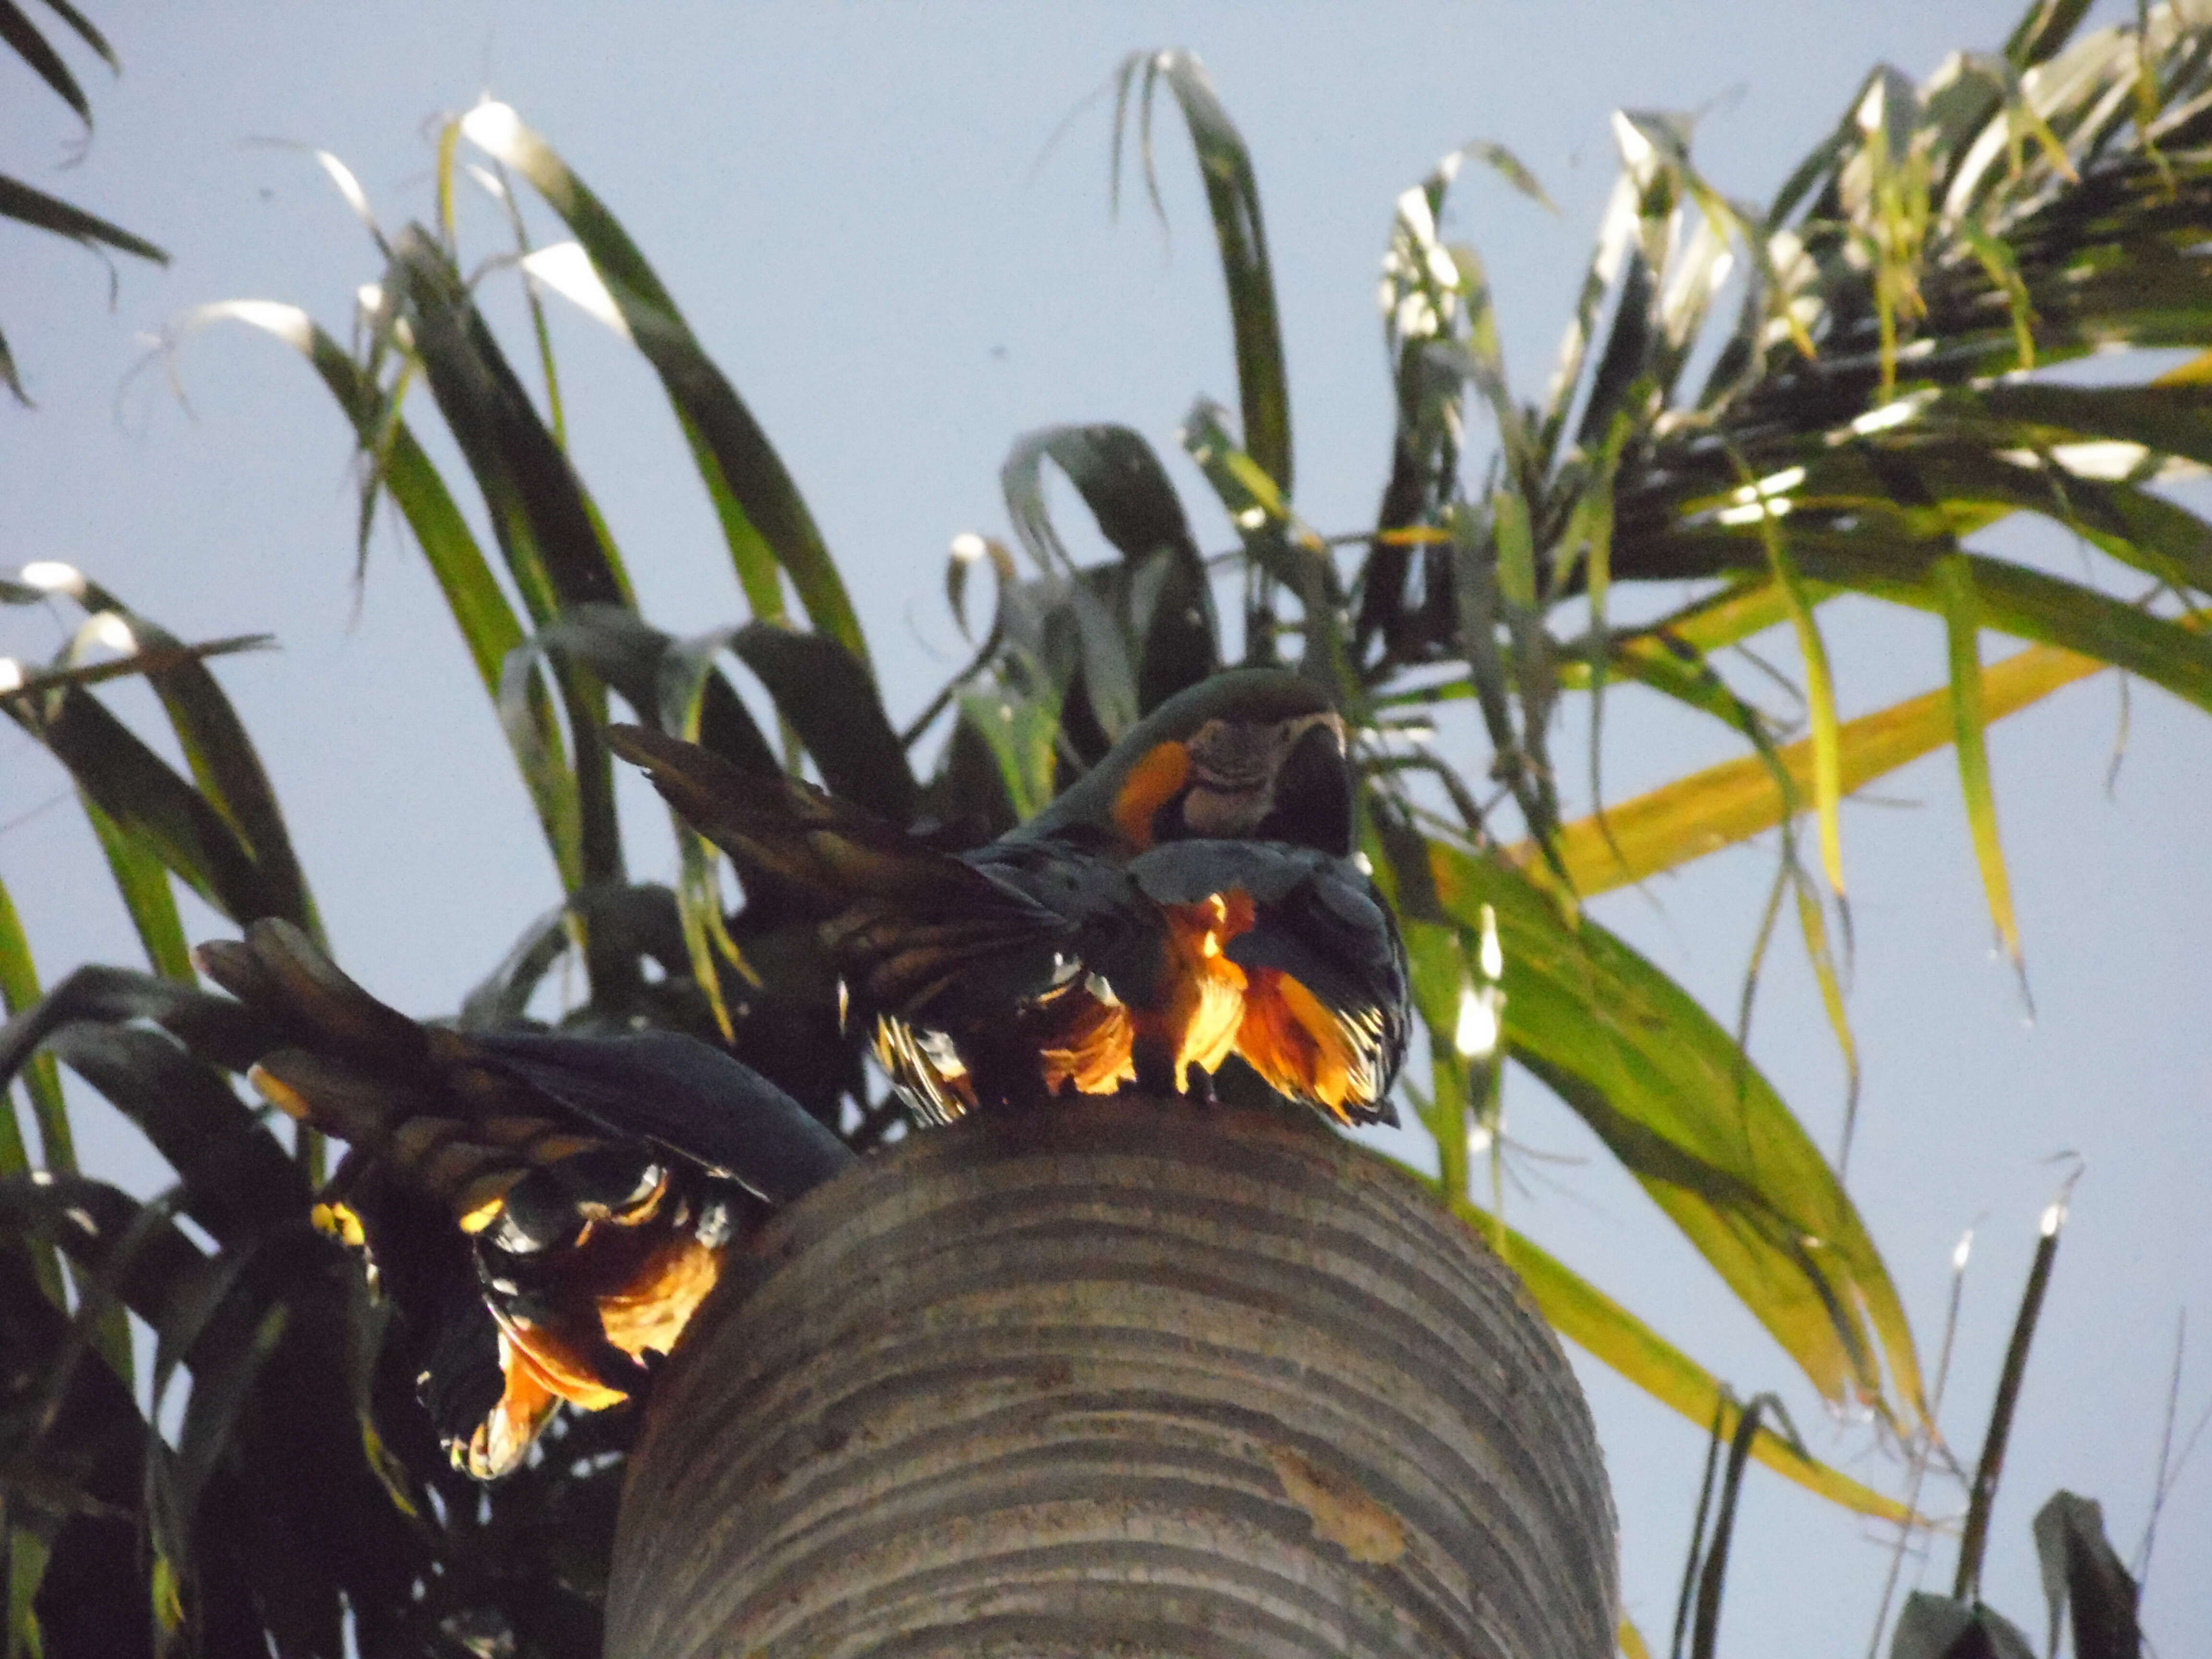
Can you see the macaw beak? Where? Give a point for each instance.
(1311, 804)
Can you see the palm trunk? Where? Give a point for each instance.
(1118, 1380)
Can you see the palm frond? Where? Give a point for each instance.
(26, 205)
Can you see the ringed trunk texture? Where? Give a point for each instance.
(1125, 1379)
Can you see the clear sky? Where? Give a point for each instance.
(859, 209)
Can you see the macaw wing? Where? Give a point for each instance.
(1326, 1018)
(1192, 871)
(1334, 933)
(1107, 922)
(1014, 992)
(681, 1094)
(1314, 916)
(828, 849)
(546, 1210)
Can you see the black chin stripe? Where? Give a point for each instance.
(1167, 819)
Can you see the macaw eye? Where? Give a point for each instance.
(1232, 757)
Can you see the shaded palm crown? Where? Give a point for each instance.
(1871, 352)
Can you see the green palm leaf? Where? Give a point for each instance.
(399, 467)
(1724, 804)
(764, 519)
(1579, 1310)
(1232, 198)
(27, 206)
(1682, 1108)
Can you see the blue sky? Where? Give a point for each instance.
(888, 223)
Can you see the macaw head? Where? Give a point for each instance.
(1255, 754)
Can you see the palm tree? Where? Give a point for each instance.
(1120, 1377)
(1870, 396)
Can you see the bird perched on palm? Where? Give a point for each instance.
(547, 1211)
(1192, 898)
(550, 1210)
